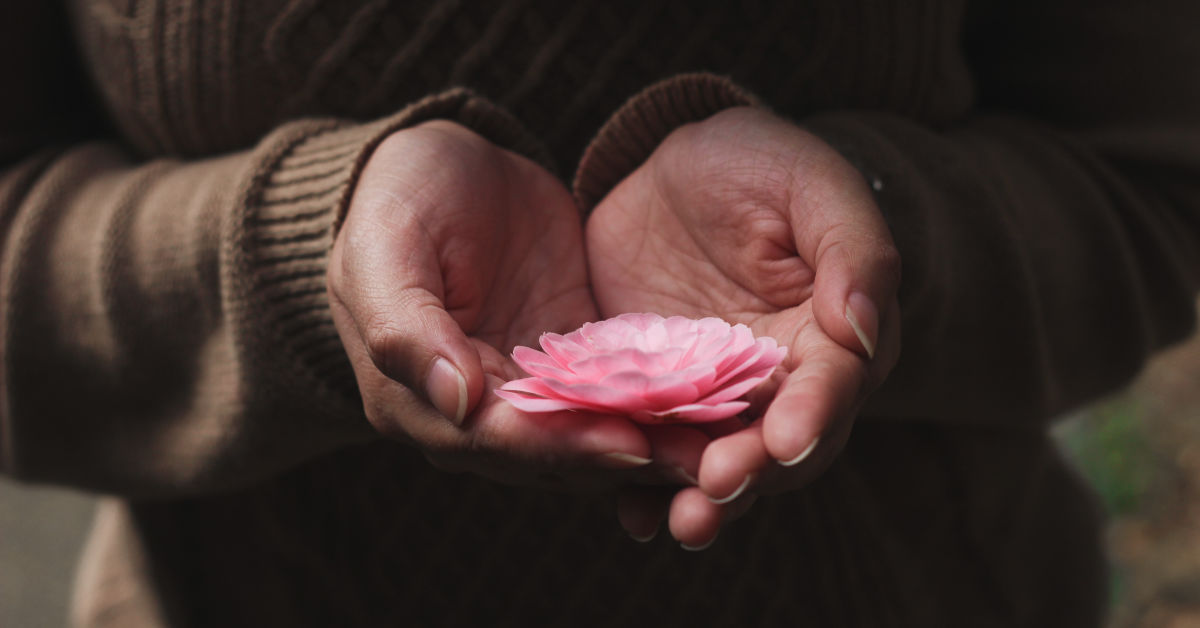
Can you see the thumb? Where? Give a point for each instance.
(391, 283)
(857, 277)
(418, 344)
(844, 236)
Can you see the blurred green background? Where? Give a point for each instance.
(1140, 449)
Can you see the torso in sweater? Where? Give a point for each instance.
(193, 77)
(374, 536)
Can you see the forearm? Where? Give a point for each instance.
(166, 325)
(134, 359)
(1039, 272)
(1041, 268)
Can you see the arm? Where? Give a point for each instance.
(1044, 274)
(1049, 238)
(1051, 241)
(165, 324)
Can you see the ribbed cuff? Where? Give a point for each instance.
(643, 122)
(294, 208)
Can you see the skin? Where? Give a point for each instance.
(748, 217)
(455, 250)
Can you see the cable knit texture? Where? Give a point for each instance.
(174, 172)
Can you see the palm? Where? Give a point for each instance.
(452, 252)
(749, 218)
(528, 276)
(696, 245)
(501, 248)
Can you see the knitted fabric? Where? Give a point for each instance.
(166, 334)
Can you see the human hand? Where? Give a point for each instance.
(750, 218)
(453, 251)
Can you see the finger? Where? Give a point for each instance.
(821, 394)
(564, 450)
(840, 231)
(717, 429)
(693, 520)
(641, 511)
(677, 453)
(390, 407)
(557, 440)
(733, 463)
(387, 274)
(495, 363)
(853, 279)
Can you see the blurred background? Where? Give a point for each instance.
(1139, 448)
(1141, 451)
(41, 534)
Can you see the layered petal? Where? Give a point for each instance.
(649, 368)
(539, 364)
(694, 413)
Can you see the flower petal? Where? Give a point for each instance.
(596, 367)
(535, 386)
(563, 350)
(715, 342)
(539, 364)
(682, 331)
(642, 365)
(655, 338)
(702, 375)
(694, 413)
(609, 336)
(537, 404)
(763, 351)
(597, 396)
(552, 389)
(665, 391)
(639, 320)
(737, 388)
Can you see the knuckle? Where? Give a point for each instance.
(387, 346)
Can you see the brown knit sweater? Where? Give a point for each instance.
(174, 169)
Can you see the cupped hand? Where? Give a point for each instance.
(750, 218)
(452, 252)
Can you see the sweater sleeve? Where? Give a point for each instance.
(165, 326)
(1050, 238)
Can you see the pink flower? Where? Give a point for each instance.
(649, 368)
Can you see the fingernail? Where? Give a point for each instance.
(864, 319)
(447, 390)
(683, 476)
(804, 454)
(698, 548)
(626, 461)
(643, 539)
(736, 493)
